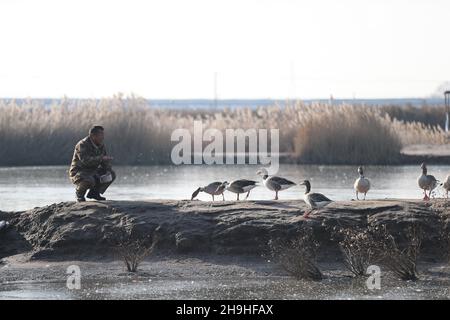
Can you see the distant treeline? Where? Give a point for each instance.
(37, 133)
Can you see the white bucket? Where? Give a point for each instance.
(106, 178)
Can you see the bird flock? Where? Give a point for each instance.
(315, 201)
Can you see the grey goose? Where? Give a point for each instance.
(426, 182)
(274, 183)
(238, 186)
(314, 200)
(211, 189)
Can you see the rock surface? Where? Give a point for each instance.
(90, 229)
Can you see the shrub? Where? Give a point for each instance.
(133, 248)
(401, 261)
(358, 249)
(298, 257)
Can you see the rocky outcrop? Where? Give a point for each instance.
(93, 228)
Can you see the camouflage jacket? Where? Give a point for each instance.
(87, 158)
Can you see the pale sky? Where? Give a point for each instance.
(258, 48)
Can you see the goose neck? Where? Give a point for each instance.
(308, 189)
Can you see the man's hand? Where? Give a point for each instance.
(107, 158)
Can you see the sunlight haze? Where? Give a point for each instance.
(173, 49)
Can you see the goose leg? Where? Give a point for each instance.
(306, 214)
(446, 194)
(365, 195)
(213, 197)
(248, 193)
(276, 195)
(223, 197)
(425, 195)
(357, 195)
(238, 197)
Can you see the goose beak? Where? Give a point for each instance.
(196, 192)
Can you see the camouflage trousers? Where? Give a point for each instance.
(89, 180)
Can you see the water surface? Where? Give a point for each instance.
(243, 288)
(27, 187)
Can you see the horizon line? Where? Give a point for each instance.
(221, 99)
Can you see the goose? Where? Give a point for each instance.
(362, 184)
(274, 183)
(238, 187)
(446, 185)
(314, 200)
(211, 189)
(426, 182)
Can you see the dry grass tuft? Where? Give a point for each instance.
(133, 248)
(299, 256)
(357, 247)
(401, 261)
(375, 244)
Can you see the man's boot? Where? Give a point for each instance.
(80, 197)
(81, 189)
(94, 194)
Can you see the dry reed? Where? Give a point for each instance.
(32, 133)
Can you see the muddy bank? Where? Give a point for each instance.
(89, 230)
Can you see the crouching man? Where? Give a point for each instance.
(91, 167)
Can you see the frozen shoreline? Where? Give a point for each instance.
(72, 230)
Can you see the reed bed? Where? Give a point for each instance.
(433, 116)
(32, 133)
(345, 134)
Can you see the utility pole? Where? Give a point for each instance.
(447, 109)
(215, 91)
(292, 93)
